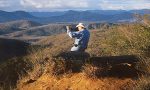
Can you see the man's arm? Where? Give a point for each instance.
(71, 34)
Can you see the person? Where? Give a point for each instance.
(81, 37)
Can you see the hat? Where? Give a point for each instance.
(80, 25)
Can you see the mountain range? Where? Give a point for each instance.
(32, 31)
(73, 16)
(33, 26)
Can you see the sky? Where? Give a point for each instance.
(62, 5)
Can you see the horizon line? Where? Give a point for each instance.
(74, 10)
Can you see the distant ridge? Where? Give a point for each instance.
(72, 16)
(19, 25)
(44, 30)
(17, 15)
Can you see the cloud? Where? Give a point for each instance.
(124, 4)
(10, 5)
(4, 3)
(54, 4)
(85, 4)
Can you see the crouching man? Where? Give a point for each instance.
(81, 37)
